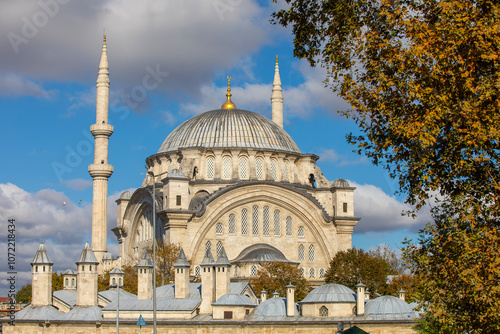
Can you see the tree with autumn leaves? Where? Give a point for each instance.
(275, 276)
(423, 80)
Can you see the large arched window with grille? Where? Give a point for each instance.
(210, 168)
(197, 271)
(274, 169)
(286, 172)
(277, 223)
(218, 229)
(301, 253)
(301, 232)
(219, 249)
(311, 253)
(312, 273)
(255, 220)
(208, 247)
(259, 168)
(243, 168)
(244, 222)
(232, 224)
(323, 311)
(289, 226)
(321, 272)
(266, 221)
(253, 270)
(303, 272)
(226, 168)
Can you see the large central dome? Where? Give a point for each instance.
(229, 128)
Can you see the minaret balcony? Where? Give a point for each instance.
(100, 170)
(103, 129)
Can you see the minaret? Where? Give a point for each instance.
(277, 97)
(100, 170)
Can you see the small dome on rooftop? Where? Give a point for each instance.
(330, 293)
(176, 173)
(340, 183)
(108, 256)
(126, 195)
(273, 307)
(389, 307)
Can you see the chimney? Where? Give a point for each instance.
(145, 277)
(86, 277)
(290, 300)
(402, 294)
(69, 279)
(207, 282)
(41, 269)
(360, 299)
(181, 268)
(263, 295)
(222, 275)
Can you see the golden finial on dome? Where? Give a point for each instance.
(104, 35)
(228, 104)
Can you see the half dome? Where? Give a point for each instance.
(229, 128)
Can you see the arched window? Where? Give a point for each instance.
(210, 168)
(259, 168)
(303, 272)
(226, 168)
(197, 271)
(321, 272)
(72, 282)
(208, 247)
(114, 282)
(301, 233)
(66, 282)
(323, 311)
(311, 253)
(253, 270)
(312, 273)
(168, 166)
(277, 223)
(219, 249)
(286, 175)
(236, 270)
(218, 229)
(243, 168)
(274, 169)
(289, 226)
(120, 282)
(255, 220)
(301, 253)
(265, 221)
(244, 222)
(232, 224)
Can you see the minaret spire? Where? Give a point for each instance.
(100, 170)
(277, 97)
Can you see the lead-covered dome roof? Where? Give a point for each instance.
(229, 128)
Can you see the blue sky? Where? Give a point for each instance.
(50, 53)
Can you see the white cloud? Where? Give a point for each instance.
(339, 159)
(78, 184)
(15, 85)
(43, 217)
(299, 101)
(189, 39)
(381, 212)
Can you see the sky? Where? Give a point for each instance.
(50, 51)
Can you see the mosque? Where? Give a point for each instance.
(233, 190)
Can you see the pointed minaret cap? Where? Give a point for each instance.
(182, 260)
(228, 104)
(208, 260)
(222, 259)
(41, 256)
(145, 261)
(87, 255)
